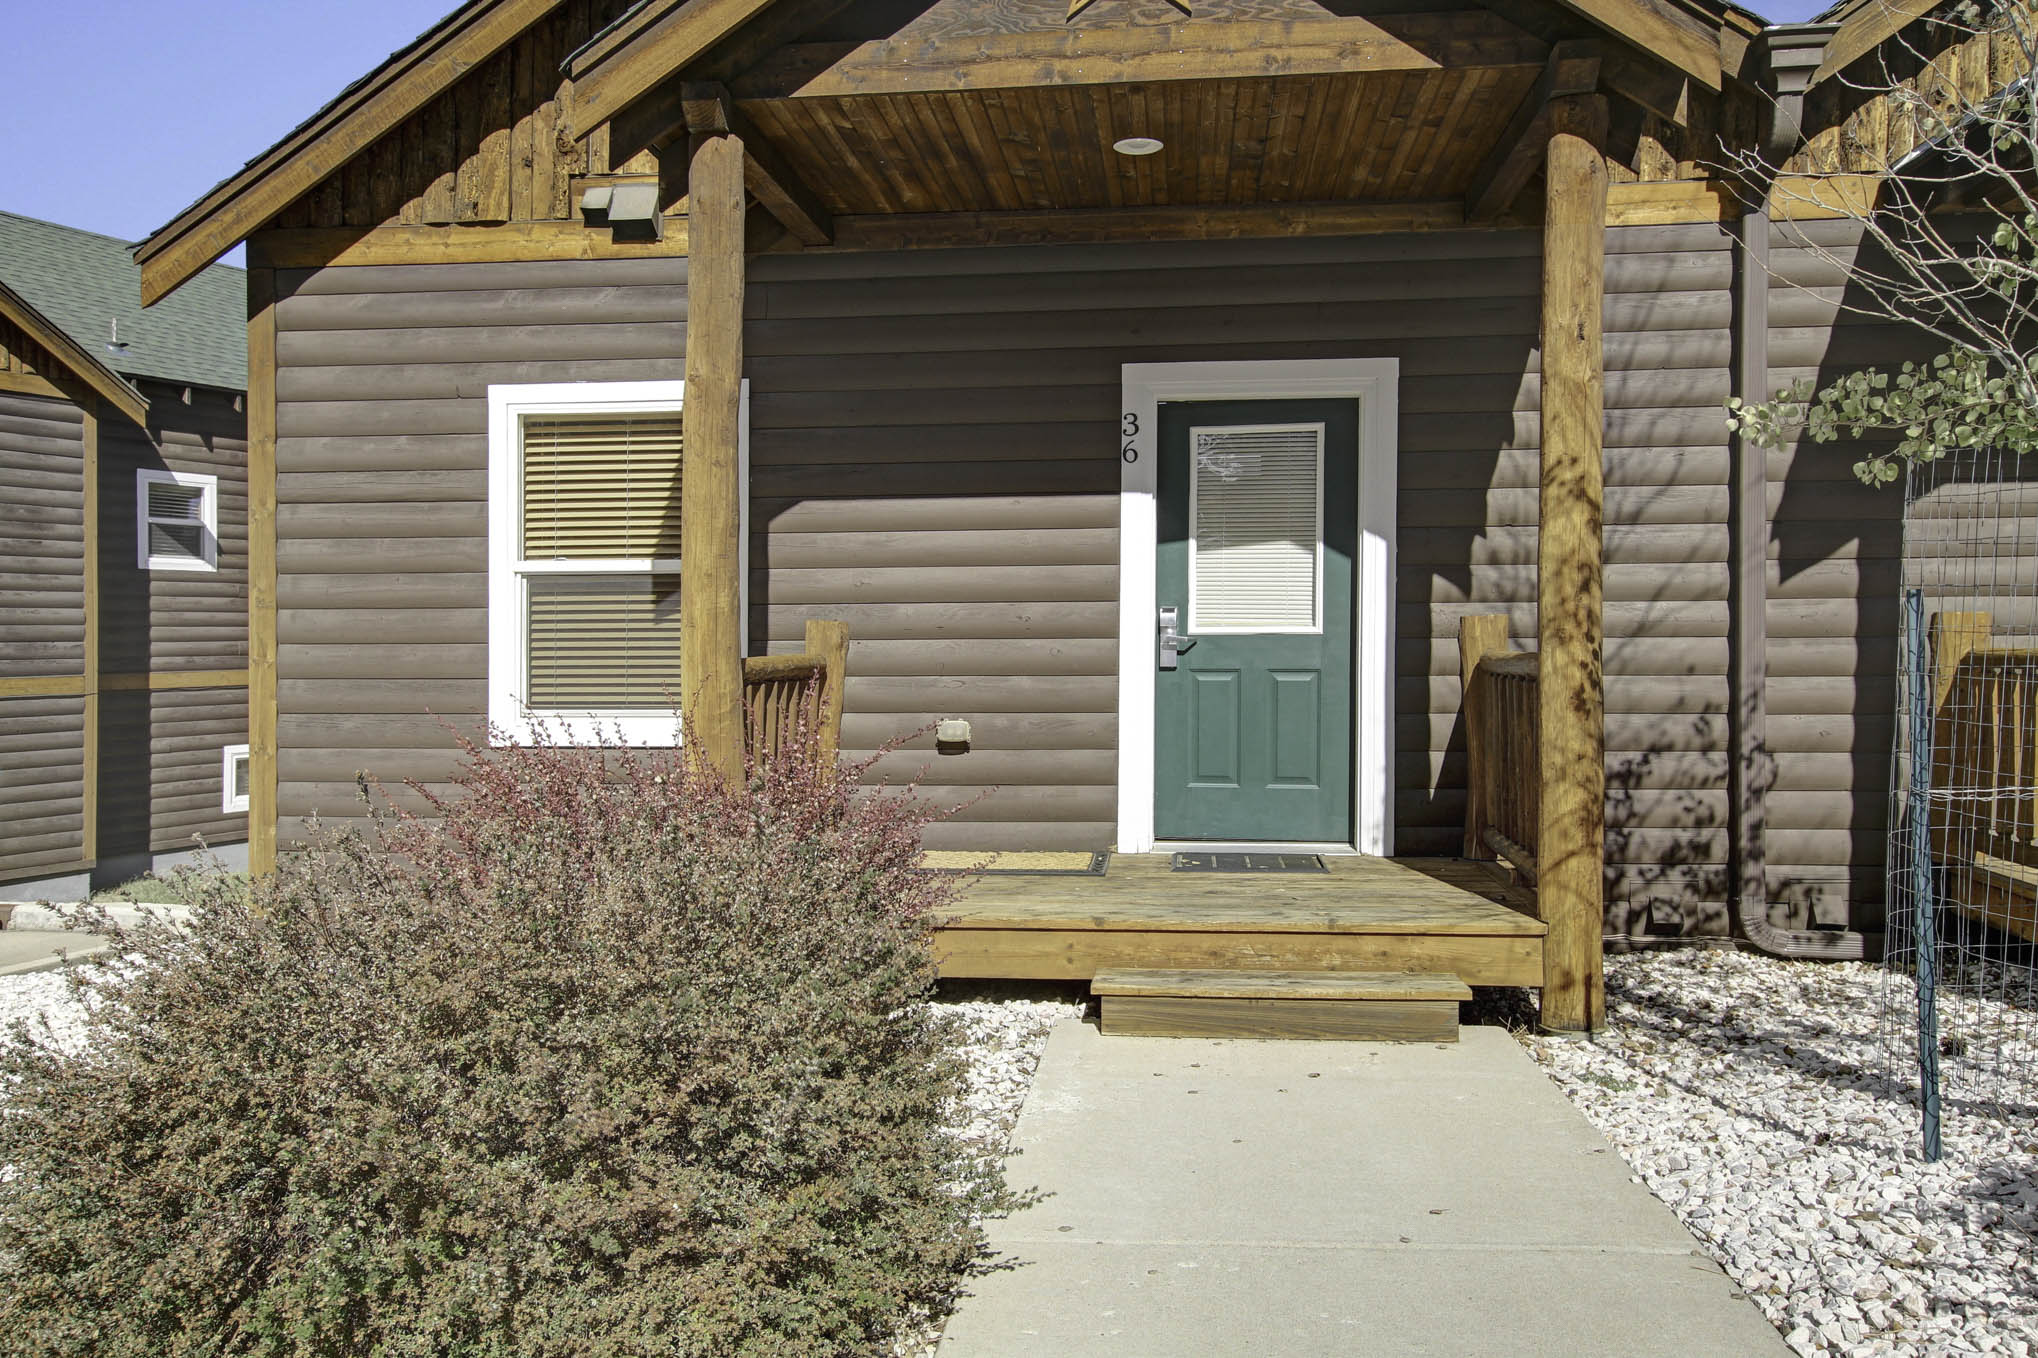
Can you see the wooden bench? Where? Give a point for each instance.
(1353, 1006)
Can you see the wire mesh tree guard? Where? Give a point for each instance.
(1960, 1010)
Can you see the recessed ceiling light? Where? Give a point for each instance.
(1136, 146)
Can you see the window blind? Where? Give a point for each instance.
(1255, 520)
(602, 486)
(600, 642)
(176, 517)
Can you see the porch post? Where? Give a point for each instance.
(711, 547)
(1570, 845)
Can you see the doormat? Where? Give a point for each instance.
(1247, 862)
(1034, 864)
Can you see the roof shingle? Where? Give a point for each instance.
(85, 283)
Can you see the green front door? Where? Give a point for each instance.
(1258, 520)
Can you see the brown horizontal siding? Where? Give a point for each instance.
(42, 786)
(1834, 590)
(161, 769)
(174, 620)
(42, 537)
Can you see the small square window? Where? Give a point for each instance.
(176, 521)
(233, 780)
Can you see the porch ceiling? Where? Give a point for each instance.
(1377, 136)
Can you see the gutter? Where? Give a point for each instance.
(1791, 54)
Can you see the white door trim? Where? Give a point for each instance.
(1373, 383)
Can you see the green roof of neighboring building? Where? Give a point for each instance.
(85, 282)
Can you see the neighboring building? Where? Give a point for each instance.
(123, 565)
(990, 246)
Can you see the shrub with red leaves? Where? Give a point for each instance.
(605, 1057)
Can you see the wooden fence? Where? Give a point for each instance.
(1985, 772)
(787, 697)
(1503, 770)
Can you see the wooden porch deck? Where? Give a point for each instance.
(1365, 914)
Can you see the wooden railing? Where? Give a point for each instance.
(1503, 771)
(786, 695)
(1985, 771)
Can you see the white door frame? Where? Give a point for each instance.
(1373, 383)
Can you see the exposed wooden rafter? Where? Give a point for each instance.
(78, 363)
(1196, 49)
(1662, 28)
(642, 51)
(777, 189)
(1573, 68)
(304, 159)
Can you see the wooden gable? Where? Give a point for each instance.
(861, 113)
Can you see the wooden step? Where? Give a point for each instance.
(1351, 1006)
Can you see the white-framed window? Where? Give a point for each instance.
(176, 521)
(583, 556)
(233, 780)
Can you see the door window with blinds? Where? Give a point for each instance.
(1256, 529)
(584, 553)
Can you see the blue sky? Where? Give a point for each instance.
(122, 112)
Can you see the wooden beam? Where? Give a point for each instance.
(43, 686)
(162, 681)
(910, 231)
(511, 243)
(712, 556)
(1480, 635)
(93, 615)
(830, 641)
(1196, 49)
(1866, 29)
(1573, 68)
(1571, 722)
(1665, 30)
(776, 186)
(262, 782)
(637, 55)
(335, 135)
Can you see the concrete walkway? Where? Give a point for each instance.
(1314, 1198)
(25, 950)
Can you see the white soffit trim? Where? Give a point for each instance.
(1374, 384)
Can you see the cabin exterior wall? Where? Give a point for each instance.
(931, 462)
(161, 749)
(42, 632)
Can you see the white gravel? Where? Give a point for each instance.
(1750, 1095)
(40, 993)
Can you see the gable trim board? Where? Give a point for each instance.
(1374, 384)
(77, 362)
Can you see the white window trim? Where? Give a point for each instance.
(508, 668)
(208, 513)
(1373, 383)
(229, 803)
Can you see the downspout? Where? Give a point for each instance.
(1791, 54)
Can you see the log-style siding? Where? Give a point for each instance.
(932, 463)
(161, 759)
(1835, 575)
(42, 786)
(42, 634)
(42, 537)
(174, 620)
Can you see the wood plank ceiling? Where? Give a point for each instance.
(1387, 136)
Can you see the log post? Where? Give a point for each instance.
(711, 546)
(262, 754)
(1570, 718)
(830, 641)
(1480, 635)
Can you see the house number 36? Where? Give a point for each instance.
(1130, 432)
